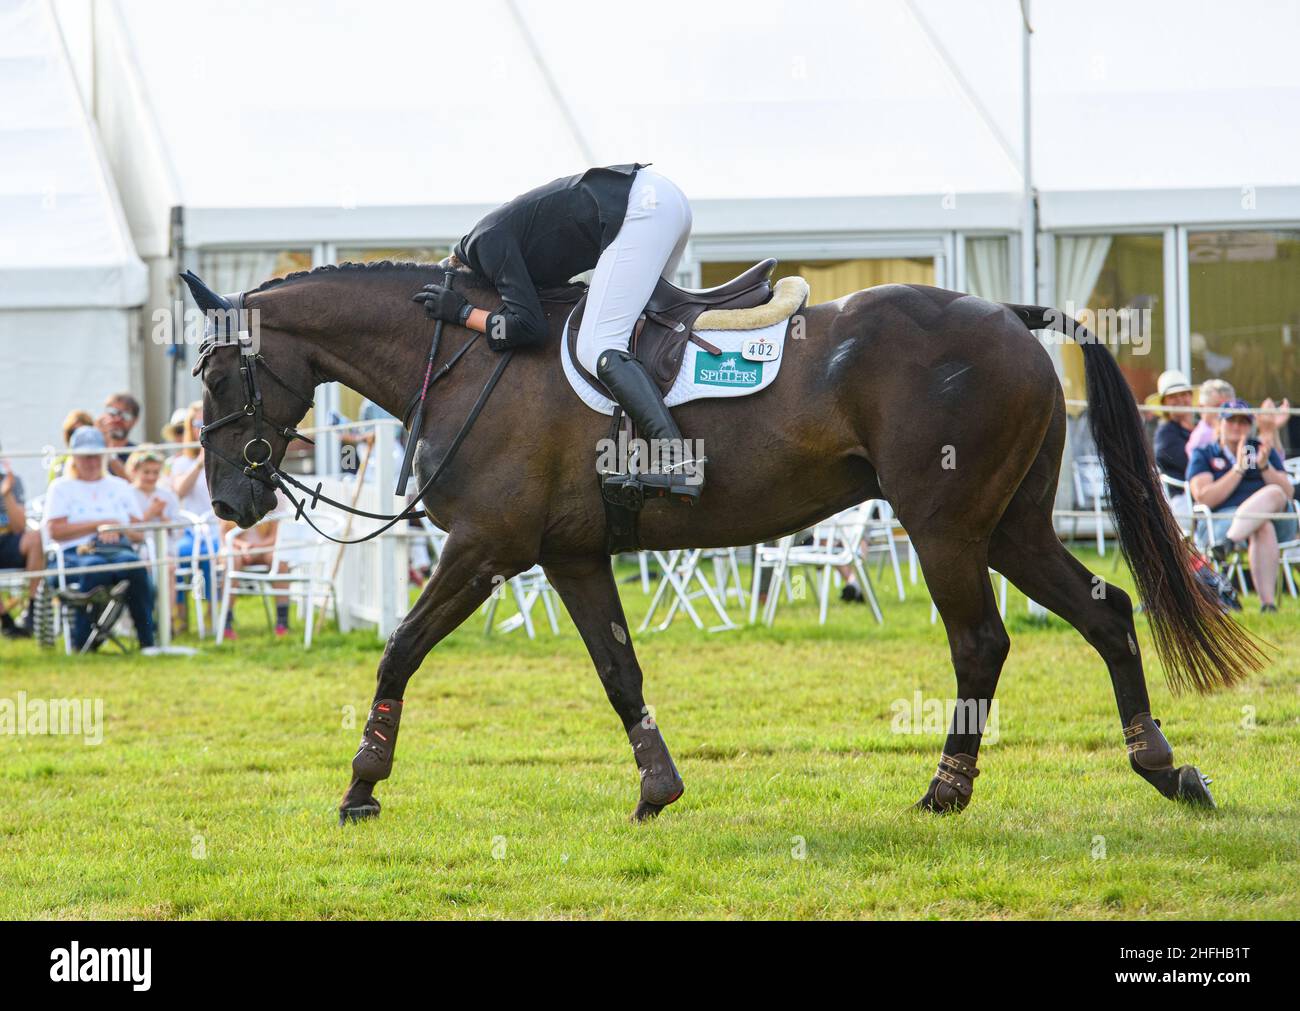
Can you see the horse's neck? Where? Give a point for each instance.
(361, 334)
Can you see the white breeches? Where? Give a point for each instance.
(648, 246)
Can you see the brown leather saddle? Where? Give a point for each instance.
(661, 334)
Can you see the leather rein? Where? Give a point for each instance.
(257, 466)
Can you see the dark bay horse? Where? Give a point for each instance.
(944, 404)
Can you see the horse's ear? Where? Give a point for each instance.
(204, 297)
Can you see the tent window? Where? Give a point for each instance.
(1244, 294)
(1119, 281)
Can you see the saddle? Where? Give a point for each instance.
(661, 334)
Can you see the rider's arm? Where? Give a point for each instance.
(521, 320)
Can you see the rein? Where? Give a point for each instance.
(259, 468)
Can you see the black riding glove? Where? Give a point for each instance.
(442, 303)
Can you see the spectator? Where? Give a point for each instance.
(20, 548)
(174, 430)
(1240, 475)
(62, 465)
(75, 508)
(190, 485)
(1214, 393)
(1173, 390)
(115, 422)
(154, 502)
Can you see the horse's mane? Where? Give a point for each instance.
(465, 277)
(373, 267)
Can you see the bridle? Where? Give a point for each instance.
(217, 334)
(259, 469)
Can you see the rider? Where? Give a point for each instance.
(629, 223)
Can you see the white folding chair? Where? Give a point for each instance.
(188, 578)
(528, 589)
(305, 556)
(1090, 493)
(680, 568)
(1180, 502)
(879, 537)
(837, 542)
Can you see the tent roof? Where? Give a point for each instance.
(395, 107)
(63, 241)
(1167, 112)
(899, 115)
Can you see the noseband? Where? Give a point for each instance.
(255, 465)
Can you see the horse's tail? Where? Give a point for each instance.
(1199, 645)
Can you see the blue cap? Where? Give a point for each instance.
(88, 437)
(1225, 410)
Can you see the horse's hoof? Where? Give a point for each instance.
(1194, 787)
(647, 811)
(930, 804)
(359, 812)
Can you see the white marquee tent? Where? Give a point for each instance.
(70, 280)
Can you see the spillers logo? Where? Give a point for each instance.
(726, 370)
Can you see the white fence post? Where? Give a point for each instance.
(386, 478)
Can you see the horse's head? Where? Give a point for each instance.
(255, 391)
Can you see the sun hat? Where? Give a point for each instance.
(1170, 382)
(88, 437)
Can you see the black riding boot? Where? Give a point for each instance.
(630, 384)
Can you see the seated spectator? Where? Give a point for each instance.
(174, 430)
(115, 422)
(1213, 393)
(75, 508)
(190, 485)
(1173, 390)
(154, 501)
(1241, 475)
(20, 548)
(62, 465)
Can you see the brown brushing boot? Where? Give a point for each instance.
(373, 761)
(951, 787)
(660, 782)
(1152, 758)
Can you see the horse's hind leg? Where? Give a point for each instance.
(1026, 550)
(587, 587)
(464, 577)
(957, 574)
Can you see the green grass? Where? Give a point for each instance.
(213, 794)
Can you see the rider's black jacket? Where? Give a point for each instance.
(543, 238)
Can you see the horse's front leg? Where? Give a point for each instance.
(465, 575)
(586, 585)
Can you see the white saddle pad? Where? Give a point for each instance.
(703, 374)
